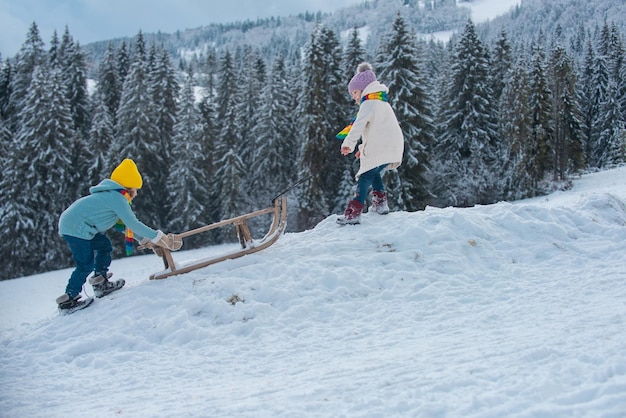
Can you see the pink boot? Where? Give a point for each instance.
(379, 203)
(352, 215)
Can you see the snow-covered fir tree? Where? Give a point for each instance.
(230, 170)
(187, 182)
(337, 112)
(542, 133)
(354, 54)
(101, 136)
(621, 89)
(40, 181)
(320, 118)
(273, 168)
(71, 62)
(109, 82)
(466, 156)
(501, 65)
(598, 95)
(588, 101)
(6, 75)
(515, 129)
(5, 142)
(568, 155)
(163, 90)
(137, 136)
(399, 62)
(31, 55)
(611, 142)
(253, 77)
(209, 132)
(123, 62)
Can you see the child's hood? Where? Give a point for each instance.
(105, 186)
(375, 87)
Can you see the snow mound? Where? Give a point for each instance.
(507, 309)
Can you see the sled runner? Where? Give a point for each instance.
(248, 244)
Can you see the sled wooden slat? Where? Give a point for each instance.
(248, 244)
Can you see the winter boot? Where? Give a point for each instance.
(68, 304)
(102, 286)
(352, 215)
(379, 203)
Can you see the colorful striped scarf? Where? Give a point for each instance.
(379, 95)
(119, 226)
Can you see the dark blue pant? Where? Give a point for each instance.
(90, 256)
(372, 178)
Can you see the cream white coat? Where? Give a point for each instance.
(377, 126)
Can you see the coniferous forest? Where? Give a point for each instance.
(486, 117)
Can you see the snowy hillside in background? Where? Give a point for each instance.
(484, 10)
(513, 309)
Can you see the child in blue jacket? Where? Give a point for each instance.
(84, 223)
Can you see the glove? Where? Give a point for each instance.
(145, 243)
(170, 241)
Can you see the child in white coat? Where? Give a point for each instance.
(382, 143)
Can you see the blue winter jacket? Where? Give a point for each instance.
(100, 211)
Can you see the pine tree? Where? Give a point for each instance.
(467, 153)
(273, 166)
(598, 95)
(30, 56)
(588, 106)
(124, 60)
(6, 139)
(208, 71)
(252, 80)
(502, 64)
(74, 70)
(399, 61)
(138, 136)
(101, 138)
(54, 52)
(621, 88)
(6, 76)
(187, 183)
(209, 132)
(354, 54)
(337, 113)
(322, 106)
(611, 145)
(40, 182)
(618, 68)
(568, 136)
(163, 89)
(542, 133)
(615, 51)
(109, 82)
(229, 166)
(515, 129)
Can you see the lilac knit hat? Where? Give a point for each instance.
(363, 77)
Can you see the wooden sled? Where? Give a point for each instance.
(248, 244)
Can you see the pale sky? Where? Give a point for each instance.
(98, 20)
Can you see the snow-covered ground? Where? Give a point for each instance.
(513, 309)
(480, 11)
(484, 10)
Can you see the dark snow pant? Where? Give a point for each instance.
(90, 256)
(372, 178)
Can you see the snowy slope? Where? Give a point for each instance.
(512, 309)
(480, 11)
(484, 10)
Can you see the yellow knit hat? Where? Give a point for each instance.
(127, 175)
